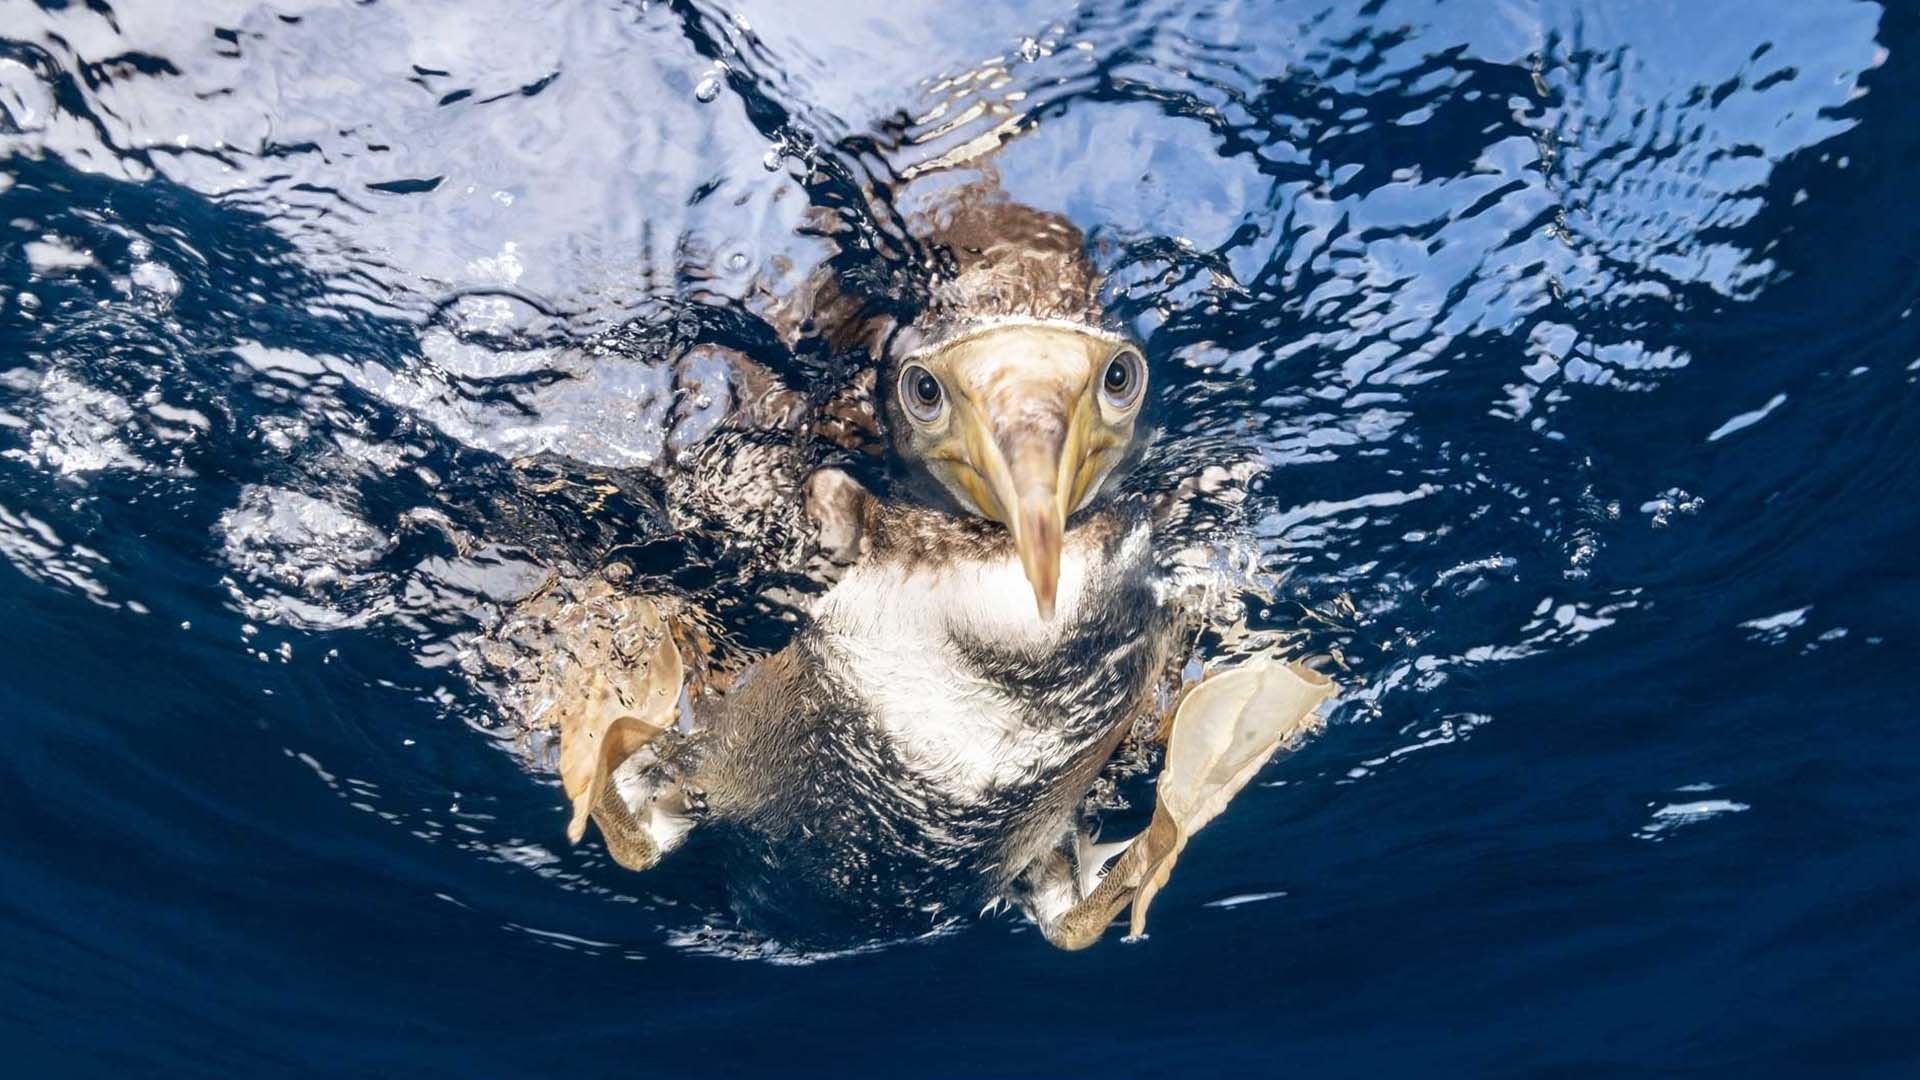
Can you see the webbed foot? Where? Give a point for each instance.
(1227, 726)
(615, 684)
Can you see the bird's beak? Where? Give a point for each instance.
(1035, 499)
(1026, 440)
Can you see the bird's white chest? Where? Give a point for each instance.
(891, 631)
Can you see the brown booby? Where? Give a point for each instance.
(1002, 621)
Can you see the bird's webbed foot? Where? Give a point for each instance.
(616, 685)
(645, 810)
(1226, 727)
(1072, 895)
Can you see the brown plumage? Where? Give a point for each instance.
(980, 256)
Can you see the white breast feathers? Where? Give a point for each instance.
(889, 630)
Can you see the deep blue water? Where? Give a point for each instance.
(1578, 339)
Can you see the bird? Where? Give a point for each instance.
(1001, 613)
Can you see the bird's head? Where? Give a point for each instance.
(1021, 423)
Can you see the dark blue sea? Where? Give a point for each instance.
(1577, 341)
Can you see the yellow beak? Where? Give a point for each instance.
(1028, 447)
(1039, 516)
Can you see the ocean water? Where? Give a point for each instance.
(1577, 340)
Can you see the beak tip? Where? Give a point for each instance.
(1045, 603)
(1038, 539)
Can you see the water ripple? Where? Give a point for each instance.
(364, 319)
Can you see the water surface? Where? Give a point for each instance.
(1577, 340)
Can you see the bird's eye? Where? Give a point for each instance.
(1126, 374)
(921, 395)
